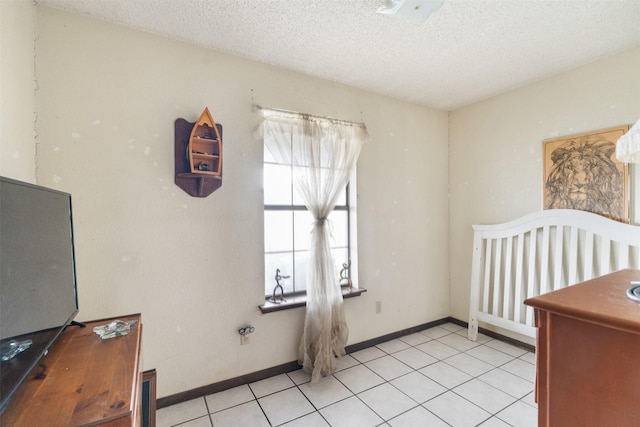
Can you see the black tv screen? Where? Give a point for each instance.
(38, 297)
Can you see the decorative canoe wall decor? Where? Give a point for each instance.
(198, 155)
(205, 146)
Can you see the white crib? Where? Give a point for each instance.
(539, 253)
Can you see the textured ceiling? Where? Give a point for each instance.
(468, 50)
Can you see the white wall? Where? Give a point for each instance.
(496, 149)
(106, 105)
(17, 104)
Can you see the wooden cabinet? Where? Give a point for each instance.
(588, 354)
(83, 381)
(198, 155)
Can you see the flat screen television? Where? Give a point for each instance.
(38, 293)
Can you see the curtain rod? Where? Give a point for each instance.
(294, 114)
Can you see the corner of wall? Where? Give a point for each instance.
(449, 219)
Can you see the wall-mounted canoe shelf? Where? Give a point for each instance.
(198, 155)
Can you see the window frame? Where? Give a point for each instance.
(349, 206)
(346, 207)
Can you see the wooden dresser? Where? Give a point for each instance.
(83, 381)
(588, 354)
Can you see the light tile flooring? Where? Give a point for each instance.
(436, 377)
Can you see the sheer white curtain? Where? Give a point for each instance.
(323, 154)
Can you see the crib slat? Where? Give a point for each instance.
(497, 279)
(486, 284)
(508, 263)
(558, 263)
(587, 271)
(605, 258)
(544, 270)
(532, 276)
(623, 256)
(573, 255)
(479, 255)
(518, 288)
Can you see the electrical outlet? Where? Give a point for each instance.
(244, 339)
(378, 307)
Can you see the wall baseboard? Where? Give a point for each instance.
(294, 365)
(514, 342)
(394, 335)
(226, 384)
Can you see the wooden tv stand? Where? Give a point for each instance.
(83, 381)
(587, 353)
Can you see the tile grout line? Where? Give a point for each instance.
(259, 405)
(206, 405)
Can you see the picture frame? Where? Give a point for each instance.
(581, 172)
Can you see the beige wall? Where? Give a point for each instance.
(17, 105)
(107, 101)
(496, 149)
(105, 108)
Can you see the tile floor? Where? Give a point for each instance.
(436, 377)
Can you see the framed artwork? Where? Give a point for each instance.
(581, 172)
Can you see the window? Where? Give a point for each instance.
(287, 225)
